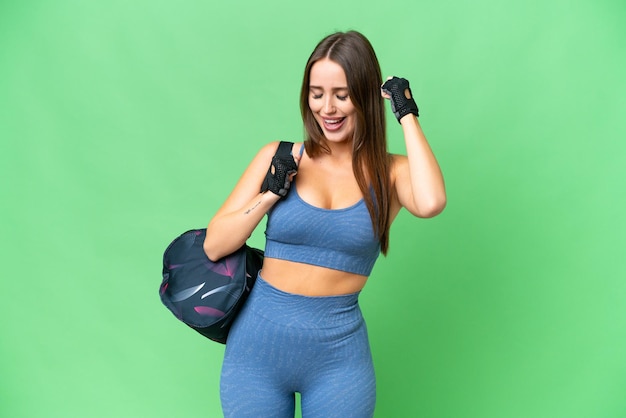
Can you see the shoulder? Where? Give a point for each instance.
(269, 149)
(265, 153)
(398, 166)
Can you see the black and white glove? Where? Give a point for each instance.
(397, 89)
(278, 177)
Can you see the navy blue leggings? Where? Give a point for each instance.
(282, 343)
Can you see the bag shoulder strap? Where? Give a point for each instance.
(284, 148)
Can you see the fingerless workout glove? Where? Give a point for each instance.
(400, 105)
(277, 180)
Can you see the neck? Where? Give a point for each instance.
(340, 150)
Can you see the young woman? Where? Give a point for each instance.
(301, 329)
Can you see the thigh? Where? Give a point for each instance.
(252, 382)
(338, 398)
(344, 386)
(247, 397)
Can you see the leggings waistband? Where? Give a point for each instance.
(272, 303)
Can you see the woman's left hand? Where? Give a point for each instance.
(397, 90)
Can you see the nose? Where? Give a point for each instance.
(329, 106)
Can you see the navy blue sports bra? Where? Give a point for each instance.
(340, 239)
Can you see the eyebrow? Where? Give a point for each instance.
(333, 89)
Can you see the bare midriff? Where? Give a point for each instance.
(310, 280)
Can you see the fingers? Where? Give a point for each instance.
(383, 91)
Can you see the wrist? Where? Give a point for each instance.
(270, 197)
(409, 118)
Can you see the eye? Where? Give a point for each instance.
(316, 96)
(343, 98)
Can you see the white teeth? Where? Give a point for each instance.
(332, 121)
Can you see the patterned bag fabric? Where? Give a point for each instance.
(203, 294)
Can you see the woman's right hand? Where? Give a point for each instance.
(280, 175)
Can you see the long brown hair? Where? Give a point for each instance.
(370, 161)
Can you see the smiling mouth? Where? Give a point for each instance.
(333, 124)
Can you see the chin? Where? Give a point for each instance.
(338, 138)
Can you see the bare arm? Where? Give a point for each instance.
(244, 208)
(418, 179)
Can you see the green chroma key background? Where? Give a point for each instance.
(122, 124)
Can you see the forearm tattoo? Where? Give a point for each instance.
(252, 208)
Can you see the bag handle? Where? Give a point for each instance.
(284, 148)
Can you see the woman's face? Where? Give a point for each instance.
(329, 100)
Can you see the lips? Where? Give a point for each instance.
(333, 124)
